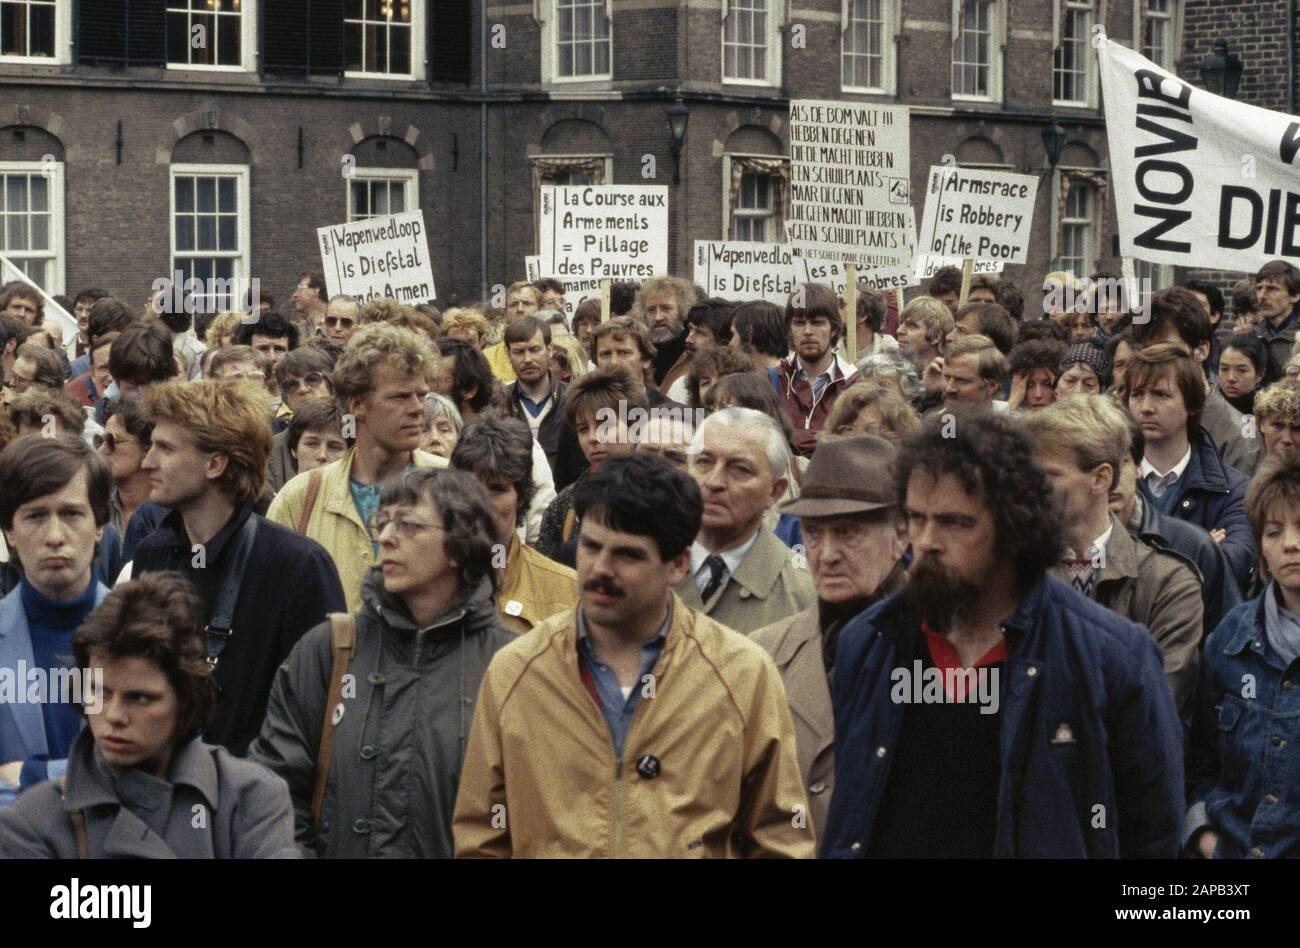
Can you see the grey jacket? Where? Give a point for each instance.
(212, 806)
(769, 585)
(398, 748)
(1228, 431)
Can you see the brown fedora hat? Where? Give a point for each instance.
(847, 475)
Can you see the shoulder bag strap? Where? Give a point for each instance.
(309, 504)
(219, 631)
(343, 638)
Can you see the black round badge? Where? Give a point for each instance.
(648, 766)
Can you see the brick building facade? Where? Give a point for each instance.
(225, 155)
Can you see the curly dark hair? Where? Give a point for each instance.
(990, 454)
(1036, 354)
(463, 505)
(491, 445)
(158, 616)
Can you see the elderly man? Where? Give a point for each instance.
(855, 537)
(342, 318)
(973, 370)
(669, 435)
(741, 574)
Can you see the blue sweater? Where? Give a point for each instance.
(52, 625)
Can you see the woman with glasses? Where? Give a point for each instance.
(124, 443)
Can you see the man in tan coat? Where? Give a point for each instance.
(740, 573)
(632, 726)
(1080, 444)
(855, 537)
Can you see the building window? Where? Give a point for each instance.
(379, 192)
(976, 56)
(210, 34)
(31, 221)
(383, 38)
(566, 170)
(751, 42)
(582, 39)
(1072, 61)
(35, 30)
(757, 189)
(1158, 31)
(868, 46)
(210, 231)
(1077, 254)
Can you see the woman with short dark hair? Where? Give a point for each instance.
(140, 783)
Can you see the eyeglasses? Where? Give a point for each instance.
(406, 529)
(109, 442)
(1292, 371)
(311, 380)
(332, 321)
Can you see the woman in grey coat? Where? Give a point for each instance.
(140, 783)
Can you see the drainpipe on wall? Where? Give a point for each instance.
(483, 152)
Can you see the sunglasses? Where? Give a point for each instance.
(311, 379)
(332, 321)
(109, 442)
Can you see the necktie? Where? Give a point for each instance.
(717, 570)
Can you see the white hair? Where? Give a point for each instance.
(440, 406)
(778, 451)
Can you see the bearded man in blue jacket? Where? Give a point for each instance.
(987, 709)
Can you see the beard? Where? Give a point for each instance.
(940, 595)
(666, 334)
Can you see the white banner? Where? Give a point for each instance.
(378, 257)
(926, 265)
(575, 291)
(1200, 180)
(745, 270)
(831, 273)
(978, 215)
(619, 231)
(850, 184)
(53, 311)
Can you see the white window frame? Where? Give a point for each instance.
(547, 13)
(997, 44)
(410, 178)
(62, 41)
(1089, 61)
(57, 254)
(242, 225)
(772, 72)
(1175, 31)
(891, 19)
(418, 54)
(247, 44)
(1090, 246)
(778, 238)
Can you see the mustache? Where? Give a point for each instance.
(602, 586)
(940, 594)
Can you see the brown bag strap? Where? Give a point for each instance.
(78, 820)
(313, 488)
(343, 638)
(567, 530)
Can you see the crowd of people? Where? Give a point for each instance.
(691, 578)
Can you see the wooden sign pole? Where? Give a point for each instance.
(967, 270)
(898, 302)
(604, 301)
(851, 311)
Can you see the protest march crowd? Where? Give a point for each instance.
(704, 578)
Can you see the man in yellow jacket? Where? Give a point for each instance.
(381, 381)
(632, 726)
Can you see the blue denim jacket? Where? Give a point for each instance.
(1243, 764)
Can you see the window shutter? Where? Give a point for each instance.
(101, 32)
(302, 37)
(147, 32)
(451, 40)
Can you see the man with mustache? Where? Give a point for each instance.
(632, 726)
(1075, 751)
(661, 306)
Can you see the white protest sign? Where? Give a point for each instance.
(378, 257)
(53, 311)
(1200, 180)
(745, 270)
(926, 265)
(850, 174)
(977, 215)
(575, 291)
(831, 273)
(616, 231)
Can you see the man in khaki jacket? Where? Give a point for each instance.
(380, 380)
(1080, 443)
(854, 536)
(632, 726)
(740, 573)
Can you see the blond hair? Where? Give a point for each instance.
(221, 416)
(579, 362)
(376, 346)
(992, 363)
(222, 324)
(931, 314)
(1090, 427)
(900, 419)
(466, 319)
(681, 290)
(1279, 400)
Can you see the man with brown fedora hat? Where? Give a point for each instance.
(854, 538)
